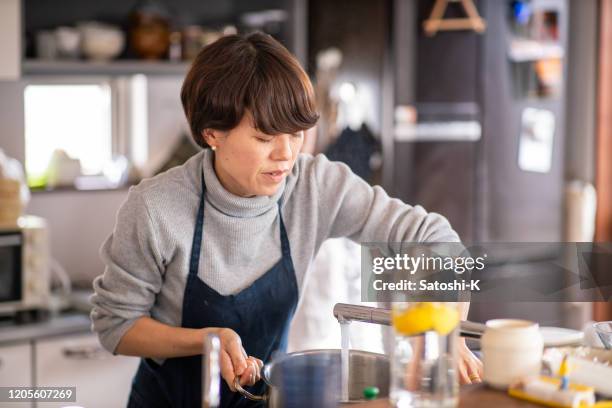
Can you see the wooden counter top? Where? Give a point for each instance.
(472, 396)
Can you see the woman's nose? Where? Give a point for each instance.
(282, 149)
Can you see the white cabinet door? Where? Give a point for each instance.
(16, 369)
(101, 379)
(10, 46)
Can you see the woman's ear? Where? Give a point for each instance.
(211, 137)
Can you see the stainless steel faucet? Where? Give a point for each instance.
(345, 312)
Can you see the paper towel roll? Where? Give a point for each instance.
(581, 204)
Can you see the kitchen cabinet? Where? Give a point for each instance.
(101, 379)
(16, 369)
(10, 46)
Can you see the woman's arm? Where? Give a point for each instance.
(364, 213)
(126, 291)
(133, 274)
(350, 207)
(149, 338)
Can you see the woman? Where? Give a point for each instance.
(221, 244)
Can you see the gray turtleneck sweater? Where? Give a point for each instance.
(147, 254)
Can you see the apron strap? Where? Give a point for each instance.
(196, 245)
(283, 234)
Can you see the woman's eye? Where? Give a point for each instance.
(262, 140)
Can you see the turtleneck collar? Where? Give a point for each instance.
(231, 204)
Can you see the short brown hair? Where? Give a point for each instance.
(255, 73)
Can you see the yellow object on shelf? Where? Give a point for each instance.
(426, 316)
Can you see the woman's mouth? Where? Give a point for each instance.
(275, 176)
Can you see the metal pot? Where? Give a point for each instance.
(366, 369)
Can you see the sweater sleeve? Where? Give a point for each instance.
(132, 276)
(364, 213)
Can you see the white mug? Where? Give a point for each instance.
(511, 349)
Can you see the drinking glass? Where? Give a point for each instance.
(423, 367)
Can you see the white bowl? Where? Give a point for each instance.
(101, 41)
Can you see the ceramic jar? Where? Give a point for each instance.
(511, 349)
(150, 30)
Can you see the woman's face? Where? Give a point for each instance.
(250, 163)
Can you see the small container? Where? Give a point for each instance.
(604, 331)
(149, 34)
(46, 45)
(512, 349)
(68, 40)
(175, 51)
(192, 36)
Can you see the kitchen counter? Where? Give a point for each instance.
(472, 396)
(64, 324)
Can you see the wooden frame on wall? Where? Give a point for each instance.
(603, 157)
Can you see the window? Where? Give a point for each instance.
(88, 124)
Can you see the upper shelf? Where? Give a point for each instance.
(116, 67)
(522, 50)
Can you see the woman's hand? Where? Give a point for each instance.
(470, 367)
(234, 360)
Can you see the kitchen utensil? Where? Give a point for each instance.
(286, 374)
(512, 349)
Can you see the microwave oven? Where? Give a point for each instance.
(25, 282)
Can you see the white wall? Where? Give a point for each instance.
(10, 33)
(11, 118)
(79, 222)
(166, 119)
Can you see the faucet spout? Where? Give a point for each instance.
(346, 313)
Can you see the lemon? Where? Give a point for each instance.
(446, 319)
(426, 316)
(412, 321)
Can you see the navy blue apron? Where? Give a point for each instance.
(260, 314)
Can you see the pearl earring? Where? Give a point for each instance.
(213, 148)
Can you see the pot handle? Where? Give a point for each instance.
(247, 394)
